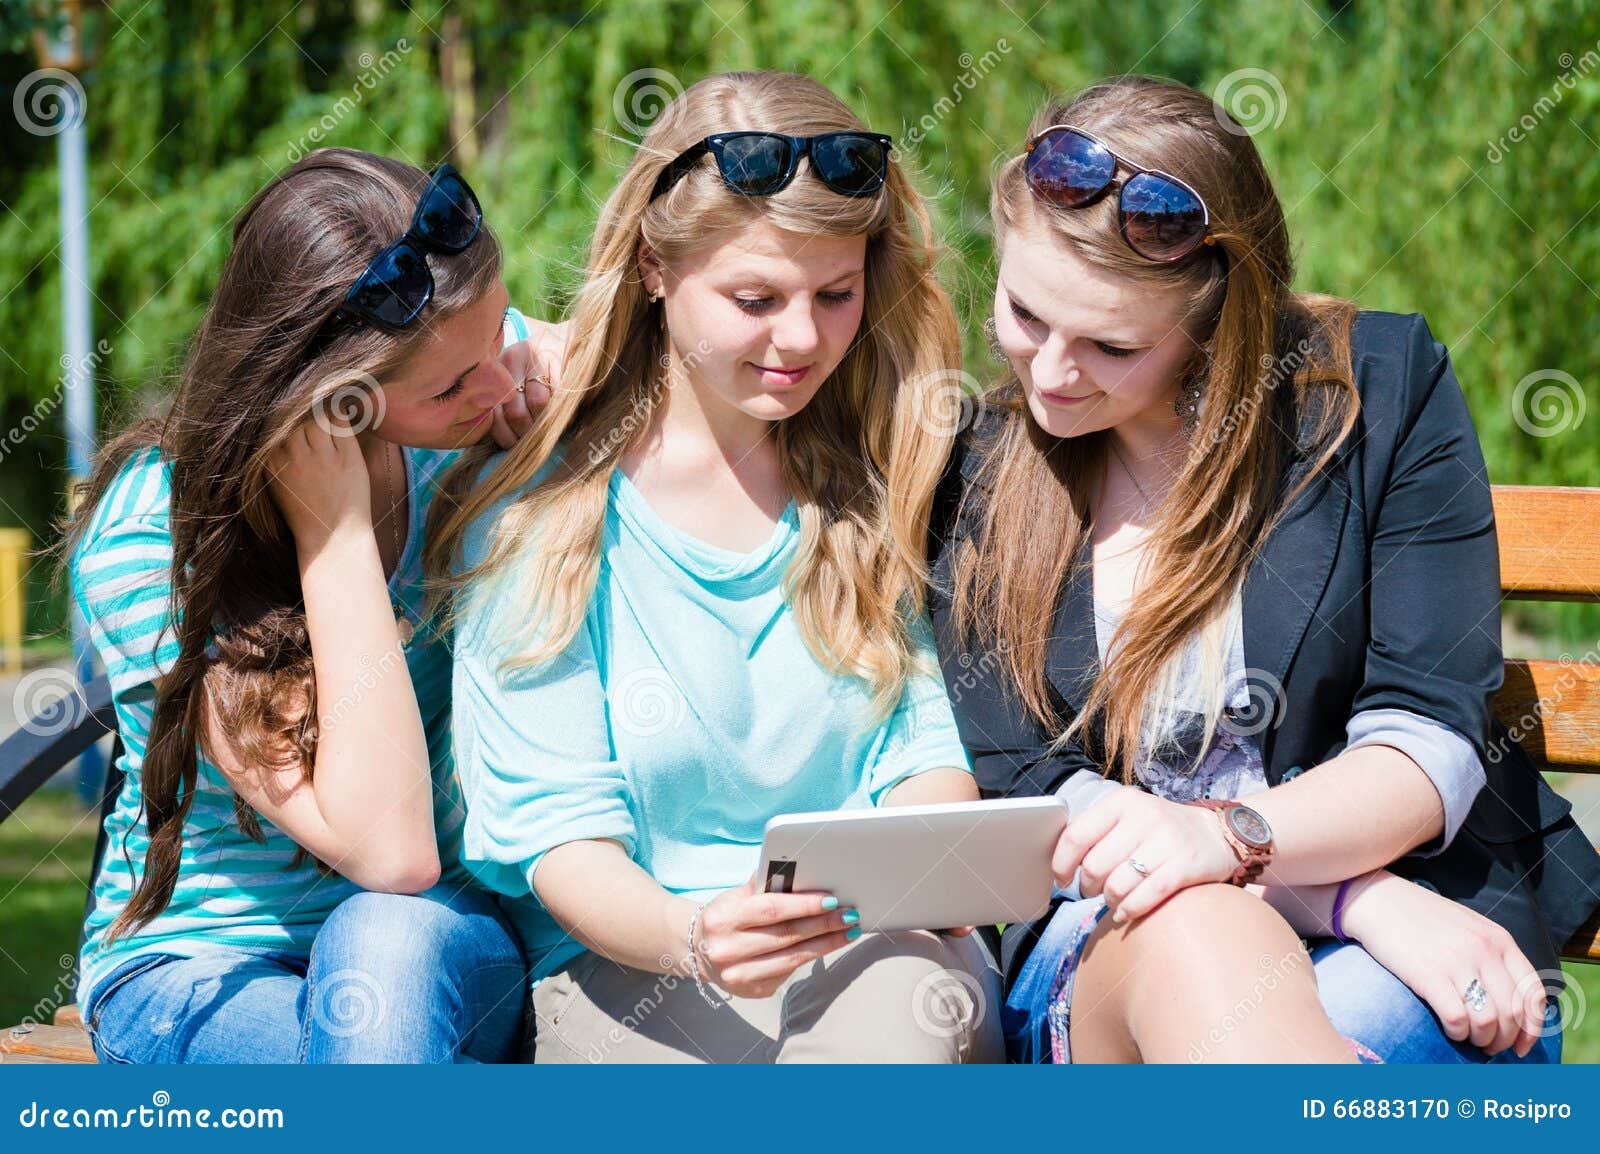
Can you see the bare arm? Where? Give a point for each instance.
(1359, 812)
(600, 896)
(1436, 947)
(747, 942)
(935, 787)
(367, 810)
(1364, 809)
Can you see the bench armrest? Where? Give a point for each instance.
(33, 754)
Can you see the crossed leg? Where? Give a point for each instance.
(1214, 974)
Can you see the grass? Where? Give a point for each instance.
(1582, 1001)
(45, 851)
(46, 846)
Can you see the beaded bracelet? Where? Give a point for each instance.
(694, 960)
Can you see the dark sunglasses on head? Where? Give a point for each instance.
(398, 284)
(762, 163)
(1160, 217)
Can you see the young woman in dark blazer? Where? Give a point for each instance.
(1271, 512)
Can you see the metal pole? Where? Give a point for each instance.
(72, 154)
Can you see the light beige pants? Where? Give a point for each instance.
(913, 996)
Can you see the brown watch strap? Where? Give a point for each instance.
(1251, 862)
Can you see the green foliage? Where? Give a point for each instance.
(45, 851)
(19, 19)
(1391, 152)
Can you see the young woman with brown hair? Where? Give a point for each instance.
(250, 569)
(1216, 540)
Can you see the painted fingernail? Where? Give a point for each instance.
(852, 933)
(851, 917)
(830, 902)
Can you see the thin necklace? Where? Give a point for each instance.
(402, 620)
(1123, 461)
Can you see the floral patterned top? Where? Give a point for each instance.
(1174, 761)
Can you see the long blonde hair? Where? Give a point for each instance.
(1264, 356)
(861, 459)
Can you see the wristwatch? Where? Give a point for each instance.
(1247, 833)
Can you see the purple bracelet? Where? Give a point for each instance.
(1338, 909)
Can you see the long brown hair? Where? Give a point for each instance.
(861, 459)
(259, 365)
(1266, 357)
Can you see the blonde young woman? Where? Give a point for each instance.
(716, 539)
(1218, 540)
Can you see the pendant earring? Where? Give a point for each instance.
(991, 335)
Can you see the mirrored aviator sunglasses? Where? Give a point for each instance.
(398, 284)
(1160, 217)
(764, 163)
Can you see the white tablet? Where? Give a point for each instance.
(922, 867)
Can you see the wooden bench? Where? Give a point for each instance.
(1549, 551)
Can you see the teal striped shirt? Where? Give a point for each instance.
(232, 892)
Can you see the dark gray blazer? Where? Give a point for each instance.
(1380, 588)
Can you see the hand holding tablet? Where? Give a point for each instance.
(748, 942)
(921, 866)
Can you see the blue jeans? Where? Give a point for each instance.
(1368, 1003)
(439, 977)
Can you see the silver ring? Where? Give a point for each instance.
(1475, 996)
(1139, 867)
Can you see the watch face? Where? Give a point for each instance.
(1251, 827)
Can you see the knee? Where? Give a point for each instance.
(372, 961)
(920, 953)
(386, 967)
(428, 921)
(1213, 911)
(1204, 927)
(398, 926)
(400, 938)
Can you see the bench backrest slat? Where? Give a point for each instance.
(1549, 542)
(1553, 709)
